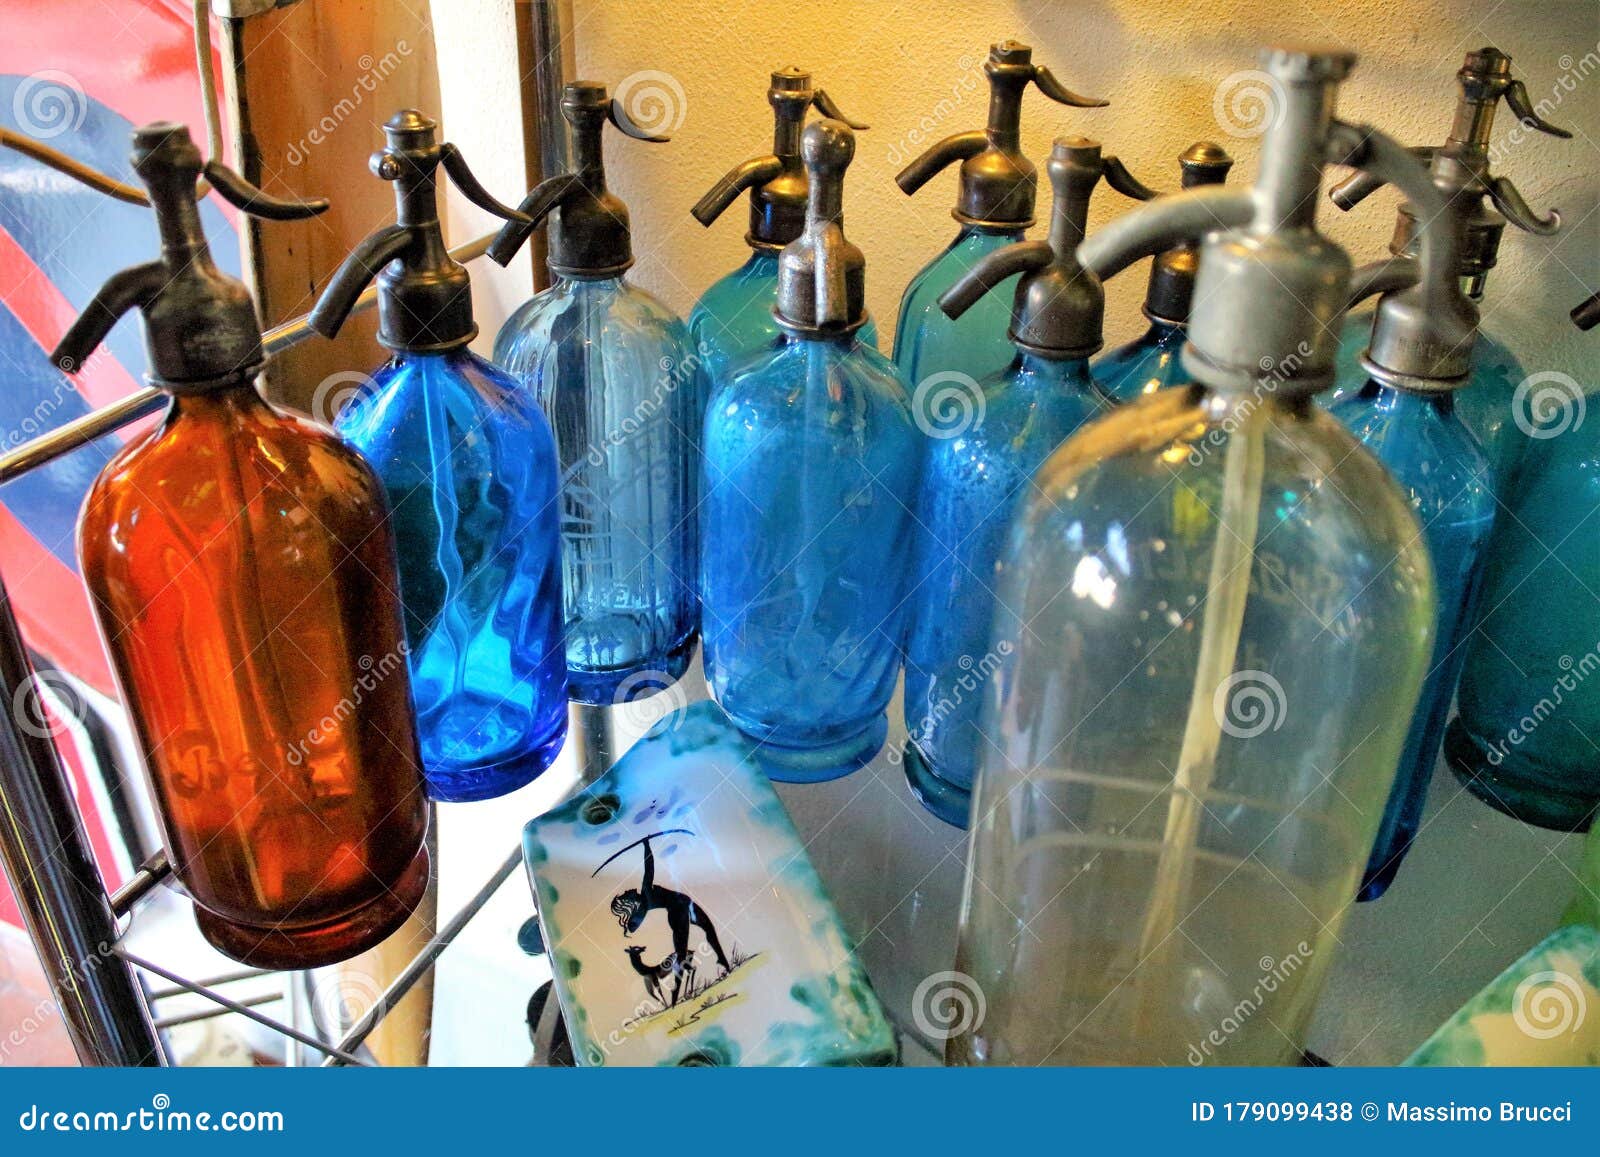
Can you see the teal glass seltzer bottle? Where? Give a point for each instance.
(979, 465)
(1151, 361)
(734, 317)
(994, 208)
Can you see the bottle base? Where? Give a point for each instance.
(1505, 791)
(1379, 875)
(350, 935)
(502, 777)
(948, 801)
(818, 763)
(604, 687)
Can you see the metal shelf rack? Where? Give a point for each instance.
(76, 925)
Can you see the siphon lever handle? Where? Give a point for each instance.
(1060, 93)
(246, 198)
(825, 105)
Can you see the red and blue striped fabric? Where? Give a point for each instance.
(79, 74)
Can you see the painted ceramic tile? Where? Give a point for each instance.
(1543, 1010)
(684, 921)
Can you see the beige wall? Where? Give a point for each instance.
(894, 64)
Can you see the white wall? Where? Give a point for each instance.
(1160, 62)
(479, 92)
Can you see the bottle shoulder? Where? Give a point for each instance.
(462, 392)
(1494, 364)
(1010, 422)
(732, 291)
(618, 317)
(968, 248)
(184, 472)
(733, 317)
(460, 375)
(753, 276)
(634, 301)
(1154, 470)
(796, 375)
(1424, 443)
(1151, 362)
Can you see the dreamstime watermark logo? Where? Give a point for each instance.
(100, 356)
(1249, 703)
(653, 102)
(947, 404)
(47, 1011)
(968, 84)
(1547, 404)
(40, 419)
(159, 1117)
(954, 688)
(45, 703)
(1247, 103)
(677, 376)
(645, 698)
(1275, 974)
(948, 1004)
(374, 71)
(1274, 373)
(336, 391)
(43, 1013)
(1548, 1005)
(373, 673)
(342, 995)
(49, 103)
(1573, 71)
(1574, 673)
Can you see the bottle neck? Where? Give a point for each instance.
(1004, 127)
(787, 127)
(237, 394)
(572, 285)
(1291, 158)
(763, 262)
(1473, 124)
(1164, 333)
(458, 356)
(1390, 396)
(820, 344)
(1007, 233)
(588, 153)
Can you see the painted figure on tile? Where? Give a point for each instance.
(632, 905)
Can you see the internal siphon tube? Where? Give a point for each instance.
(1227, 589)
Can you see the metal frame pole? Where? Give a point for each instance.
(148, 400)
(593, 742)
(424, 960)
(554, 63)
(57, 885)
